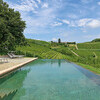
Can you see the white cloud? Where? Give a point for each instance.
(66, 21)
(94, 23)
(54, 39)
(98, 3)
(33, 3)
(25, 6)
(56, 24)
(39, 1)
(30, 3)
(73, 16)
(42, 18)
(45, 5)
(65, 34)
(83, 22)
(92, 36)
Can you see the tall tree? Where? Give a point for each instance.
(59, 40)
(11, 27)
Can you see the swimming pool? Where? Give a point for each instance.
(48, 79)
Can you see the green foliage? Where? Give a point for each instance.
(86, 53)
(41, 49)
(11, 28)
(38, 42)
(96, 40)
(59, 40)
(89, 45)
(88, 57)
(71, 42)
(54, 44)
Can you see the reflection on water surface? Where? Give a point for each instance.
(50, 80)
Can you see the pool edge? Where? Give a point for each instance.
(4, 72)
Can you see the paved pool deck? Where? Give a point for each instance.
(13, 64)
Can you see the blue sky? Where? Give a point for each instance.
(70, 20)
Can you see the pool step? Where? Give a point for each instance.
(7, 94)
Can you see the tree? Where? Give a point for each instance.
(59, 40)
(11, 27)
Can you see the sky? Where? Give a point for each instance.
(70, 20)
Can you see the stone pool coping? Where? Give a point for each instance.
(12, 68)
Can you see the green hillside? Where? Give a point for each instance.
(94, 44)
(40, 49)
(87, 55)
(96, 40)
(89, 45)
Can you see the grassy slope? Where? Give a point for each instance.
(86, 52)
(89, 45)
(90, 53)
(91, 68)
(40, 49)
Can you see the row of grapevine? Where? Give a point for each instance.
(95, 45)
(40, 51)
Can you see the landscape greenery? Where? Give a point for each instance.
(87, 54)
(11, 28)
(12, 38)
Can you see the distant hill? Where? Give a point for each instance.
(40, 49)
(90, 45)
(96, 40)
(88, 52)
(94, 44)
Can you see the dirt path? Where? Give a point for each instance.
(74, 53)
(95, 55)
(76, 46)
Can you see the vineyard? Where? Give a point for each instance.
(91, 45)
(88, 53)
(39, 49)
(38, 42)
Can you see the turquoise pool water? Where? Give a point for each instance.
(50, 80)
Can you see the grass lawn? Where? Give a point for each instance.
(91, 68)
